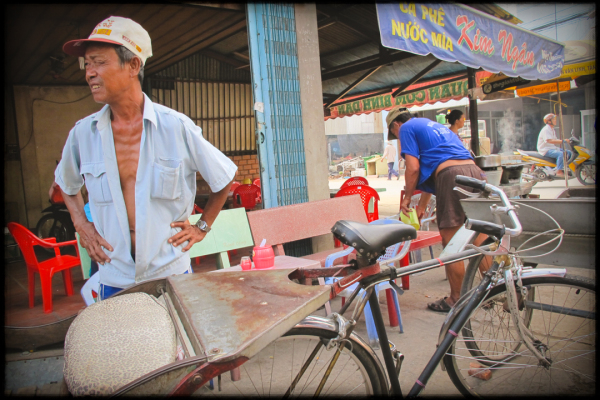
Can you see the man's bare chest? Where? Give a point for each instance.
(127, 152)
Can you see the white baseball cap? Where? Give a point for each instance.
(116, 30)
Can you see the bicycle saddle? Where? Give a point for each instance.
(370, 241)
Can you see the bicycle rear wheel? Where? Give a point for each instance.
(561, 314)
(271, 372)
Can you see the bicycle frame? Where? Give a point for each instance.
(504, 266)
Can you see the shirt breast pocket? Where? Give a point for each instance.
(96, 182)
(166, 177)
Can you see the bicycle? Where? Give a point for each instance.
(489, 348)
(323, 356)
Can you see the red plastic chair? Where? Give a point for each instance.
(234, 186)
(257, 183)
(197, 210)
(245, 196)
(60, 263)
(366, 194)
(355, 181)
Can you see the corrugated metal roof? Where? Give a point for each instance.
(35, 33)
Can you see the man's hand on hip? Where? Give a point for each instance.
(92, 242)
(190, 233)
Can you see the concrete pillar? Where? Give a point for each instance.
(313, 119)
(311, 98)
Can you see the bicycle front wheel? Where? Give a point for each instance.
(560, 312)
(271, 372)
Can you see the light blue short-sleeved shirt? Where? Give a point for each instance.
(172, 150)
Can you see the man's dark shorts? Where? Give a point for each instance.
(449, 212)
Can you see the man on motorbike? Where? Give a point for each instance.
(548, 144)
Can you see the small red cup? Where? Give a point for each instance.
(246, 264)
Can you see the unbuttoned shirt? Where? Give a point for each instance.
(546, 133)
(172, 149)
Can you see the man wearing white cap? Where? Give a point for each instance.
(548, 143)
(139, 160)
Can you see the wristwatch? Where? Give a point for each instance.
(203, 226)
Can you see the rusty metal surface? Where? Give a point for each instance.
(33, 337)
(237, 313)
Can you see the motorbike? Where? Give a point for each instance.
(581, 164)
(56, 221)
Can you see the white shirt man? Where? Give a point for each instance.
(548, 144)
(389, 154)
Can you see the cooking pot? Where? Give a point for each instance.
(488, 161)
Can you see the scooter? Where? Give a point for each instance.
(56, 221)
(581, 164)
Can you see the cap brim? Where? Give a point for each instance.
(391, 136)
(77, 48)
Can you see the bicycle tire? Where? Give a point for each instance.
(568, 339)
(271, 371)
(52, 226)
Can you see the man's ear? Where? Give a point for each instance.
(136, 64)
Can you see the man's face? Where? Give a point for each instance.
(108, 81)
(394, 130)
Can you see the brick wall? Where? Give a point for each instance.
(247, 169)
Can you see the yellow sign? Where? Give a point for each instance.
(546, 88)
(579, 69)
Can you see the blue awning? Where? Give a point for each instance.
(457, 33)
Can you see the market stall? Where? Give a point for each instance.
(454, 33)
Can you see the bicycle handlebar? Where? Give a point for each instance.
(488, 227)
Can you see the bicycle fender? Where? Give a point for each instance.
(458, 242)
(313, 321)
(460, 304)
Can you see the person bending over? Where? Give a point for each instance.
(434, 157)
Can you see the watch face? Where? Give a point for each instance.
(202, 225)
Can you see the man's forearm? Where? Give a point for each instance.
(411, 176)
(215, 203)
(75, 206)
(424, 200)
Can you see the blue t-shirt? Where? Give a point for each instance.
(432, 143)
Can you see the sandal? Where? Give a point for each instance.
(439, 306)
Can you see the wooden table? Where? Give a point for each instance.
(283, 262)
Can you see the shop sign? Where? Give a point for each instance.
(456, 33)
(579, 69)
(545, 88)
(452, 90)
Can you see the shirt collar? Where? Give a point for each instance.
(102, 118)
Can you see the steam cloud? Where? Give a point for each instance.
(508, 135)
